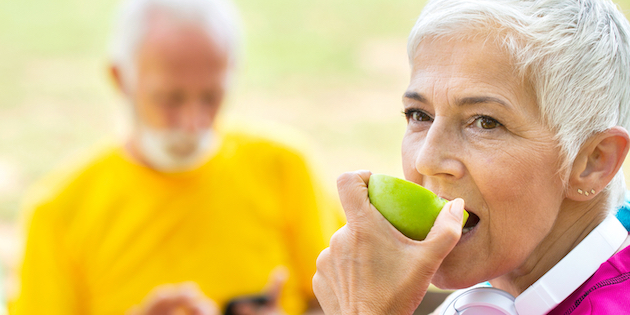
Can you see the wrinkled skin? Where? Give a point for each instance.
(367, 268)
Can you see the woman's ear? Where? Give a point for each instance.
(597, 163)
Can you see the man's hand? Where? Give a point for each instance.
(268, 303)
(176, 299)
(372, 268)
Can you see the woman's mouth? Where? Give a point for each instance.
(471, 223)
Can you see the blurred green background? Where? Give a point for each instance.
(333, 69)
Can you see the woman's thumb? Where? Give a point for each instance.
(446, 230)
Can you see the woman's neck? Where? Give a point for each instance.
(574, 222)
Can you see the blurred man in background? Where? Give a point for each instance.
(188, 214)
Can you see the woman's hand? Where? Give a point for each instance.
(372, 268)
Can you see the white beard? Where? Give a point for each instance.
(175, 150)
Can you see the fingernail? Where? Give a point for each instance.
(457, 208)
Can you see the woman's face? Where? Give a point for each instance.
(475, 132)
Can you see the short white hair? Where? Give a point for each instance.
(574, 53)
(218, 18)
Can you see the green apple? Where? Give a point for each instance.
(409, 207)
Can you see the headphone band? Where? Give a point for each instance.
(553, 287)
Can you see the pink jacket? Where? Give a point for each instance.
(606, 292)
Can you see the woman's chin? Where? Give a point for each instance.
(454, 282)
(458, 271)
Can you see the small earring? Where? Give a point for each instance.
(580, 191)
(586, 193)
(593, 191)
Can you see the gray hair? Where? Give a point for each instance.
(218, 17)
(574, 53)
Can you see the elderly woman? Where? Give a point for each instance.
(520, 110)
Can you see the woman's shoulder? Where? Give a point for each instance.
(606, 292)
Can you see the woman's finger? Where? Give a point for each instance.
(323, 286)
(446, 231)
(352, 187)
(372, 268)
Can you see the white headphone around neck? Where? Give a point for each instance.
(553, 287)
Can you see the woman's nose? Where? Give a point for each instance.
(440, 153)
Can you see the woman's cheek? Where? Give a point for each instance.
(408, 150)
(514, 193)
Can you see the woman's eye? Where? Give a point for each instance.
(416, 115)
(486, 122)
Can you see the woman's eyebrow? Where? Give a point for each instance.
(415, 96)
(461, 102)
(482, 99)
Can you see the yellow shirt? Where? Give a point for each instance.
(105, 237)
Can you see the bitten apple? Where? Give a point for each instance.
(409, 207)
